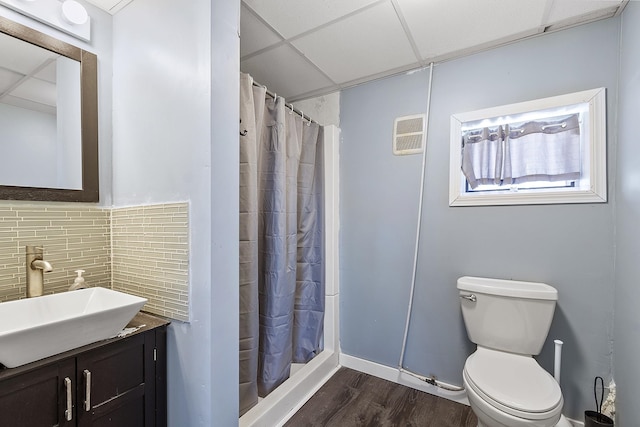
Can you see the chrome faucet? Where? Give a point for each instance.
(35, 267)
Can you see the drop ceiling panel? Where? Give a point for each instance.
(28, 105)
(36, 90)
(104, 4)
(563, 10)
(285, 72)
(7, 79)
(48, 73)
(21, 56)
(111, 6)
(443, 27)
(354, 41)
(364, 44)
(254, 34)
(291, 18)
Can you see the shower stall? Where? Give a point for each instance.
(288, 256)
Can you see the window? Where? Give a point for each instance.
(550, 150)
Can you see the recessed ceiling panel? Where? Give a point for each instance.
(445, 26)
(284, 72)
(254, 35)
(368, 43)
(291, 18)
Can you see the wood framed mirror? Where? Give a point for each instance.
(83, 162)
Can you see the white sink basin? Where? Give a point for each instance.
(34, 328)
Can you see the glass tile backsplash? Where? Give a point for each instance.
(139, 250)
(150, 252)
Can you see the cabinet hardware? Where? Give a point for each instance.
(68, 413)
(87, 390)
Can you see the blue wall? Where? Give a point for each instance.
(627, 319)
(568, 246)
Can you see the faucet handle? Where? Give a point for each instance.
(34, 250)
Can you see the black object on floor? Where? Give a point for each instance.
(597, 418)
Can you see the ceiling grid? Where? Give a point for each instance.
(305, 48)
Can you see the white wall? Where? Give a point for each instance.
(323, 109)
(176, 85)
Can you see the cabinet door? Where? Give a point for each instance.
(38, 398)
(116, 384)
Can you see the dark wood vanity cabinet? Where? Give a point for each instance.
(36, 397)
(116, 384)
(119, 382)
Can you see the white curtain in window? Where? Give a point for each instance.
(483, 156)
(541, 150)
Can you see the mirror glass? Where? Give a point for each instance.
(39, 117)
(48, 118)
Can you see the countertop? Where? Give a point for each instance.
(141, 322)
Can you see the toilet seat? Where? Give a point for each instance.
(513, 383)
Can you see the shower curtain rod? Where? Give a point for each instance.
(289, 106)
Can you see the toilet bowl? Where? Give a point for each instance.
(509, 321)
(509, 390)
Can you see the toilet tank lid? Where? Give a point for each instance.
(508, 288)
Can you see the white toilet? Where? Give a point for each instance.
(509, 321)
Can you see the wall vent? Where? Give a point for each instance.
(409, 134)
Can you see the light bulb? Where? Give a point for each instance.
(74, 13)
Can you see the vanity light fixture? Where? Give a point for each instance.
(68, 16)
(74, 13)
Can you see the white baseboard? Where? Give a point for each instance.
(394, 375)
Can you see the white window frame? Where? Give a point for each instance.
(595, 147)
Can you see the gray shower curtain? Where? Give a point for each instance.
(281, 242)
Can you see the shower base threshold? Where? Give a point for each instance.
(283, 402)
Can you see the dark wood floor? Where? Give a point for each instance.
(352, 398)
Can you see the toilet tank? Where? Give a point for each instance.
(507, 315)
